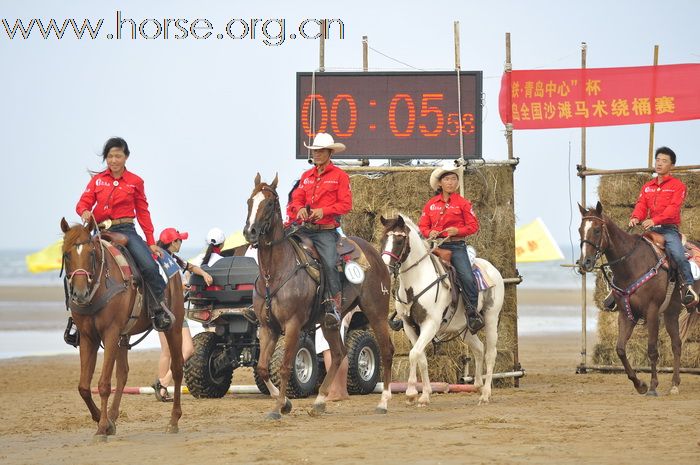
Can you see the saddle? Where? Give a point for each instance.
(347, 249)
(660, 241)
(115, 238)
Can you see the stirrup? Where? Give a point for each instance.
(476, 325)
(609, 302)
(71, 335)
(162, 320)
(689, 298)
(331, 319)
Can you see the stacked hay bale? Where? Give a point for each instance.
(490, 189)
(618, 194)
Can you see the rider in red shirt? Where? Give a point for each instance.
(118, 196)
(322, 197)
(449, 215)
(659, 209)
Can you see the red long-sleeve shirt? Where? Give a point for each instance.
(439, 215)
(329, 191)
(117, 198)
(661, 202)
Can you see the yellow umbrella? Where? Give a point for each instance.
(234, 240)
(47, 259)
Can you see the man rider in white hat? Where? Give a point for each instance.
(322, 197)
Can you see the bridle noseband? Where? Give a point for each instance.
(402, 255)
(269, 211)
(599, 246)
(93, 283)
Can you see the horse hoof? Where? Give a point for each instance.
(642, 389)
(674, 391)
(99, 438)
(652, 393)
(287, 406)
(317, 410)
(172, 429)
(381, 411)
(273, 416)
(111, 428)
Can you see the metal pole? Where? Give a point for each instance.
(460, 173)
(582, 367)
(322, 47)
(365, 60)
(651, 125)
(509, 124)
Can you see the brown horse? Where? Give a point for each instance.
(104, 307)
(642, 285)
(285, 294)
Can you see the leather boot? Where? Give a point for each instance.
(474, 319)
(161, 316)
(331, 319)
(689, 297)
(609, 302)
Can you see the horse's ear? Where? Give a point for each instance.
(581, 209)
(64, 225)
(383, 220)
(599, 208)
(400, 222)
(257, 180)
(274, 182)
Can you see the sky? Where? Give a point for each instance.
(202, 117)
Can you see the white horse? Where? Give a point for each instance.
(424, 296)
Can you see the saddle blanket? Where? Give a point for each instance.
(693, 254)
(482, 280)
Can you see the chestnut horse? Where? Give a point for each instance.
(642, 286)
(285, 293)
(101, 302)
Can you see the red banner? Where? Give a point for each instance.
(572, 98)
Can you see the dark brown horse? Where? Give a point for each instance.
(642, 287)
(93, 278)
(285, 295)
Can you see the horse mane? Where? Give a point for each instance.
(407, 220)
(71, 236)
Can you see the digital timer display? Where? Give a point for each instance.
(391, 115)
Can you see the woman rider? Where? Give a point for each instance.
(449, 215)
(116, 197)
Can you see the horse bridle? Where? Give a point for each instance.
(270, 209)
(599, 246)
(84, 272)
(401, 256)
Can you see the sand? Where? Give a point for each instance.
(555, 417)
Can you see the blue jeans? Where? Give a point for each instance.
(144, 259)
(460, 260)
(674, 247)
(325, 242)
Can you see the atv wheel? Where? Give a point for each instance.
(364, 364)
(205, 374)
(302, 379)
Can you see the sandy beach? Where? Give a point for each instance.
(556, 416)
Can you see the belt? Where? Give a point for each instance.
(108, 223)
(455, 239)
(319, 227)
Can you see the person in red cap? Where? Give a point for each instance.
(170, 240)
(322, 197)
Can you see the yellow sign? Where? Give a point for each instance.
(47, 259)
(534, 243)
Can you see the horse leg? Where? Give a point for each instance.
(477, 350)
(88, 359)
(338, 351)
(105, 383)
(417, 357)
(411, 391)
(174, 338)
(652, 349)
(291, 341)
(625, 327)
(380, 327)
(671, 321)
(268, 341)
(122, 375)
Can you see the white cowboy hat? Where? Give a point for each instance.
(439, 172)
(325, 141)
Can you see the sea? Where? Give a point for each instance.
(23, 334)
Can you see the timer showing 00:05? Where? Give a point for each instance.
(426, 116)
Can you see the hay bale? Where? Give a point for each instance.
(621, 191)
(441, 368)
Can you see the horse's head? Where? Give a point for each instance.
(395, 244)
(79, 260)
(263, 210)
(594, 237)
